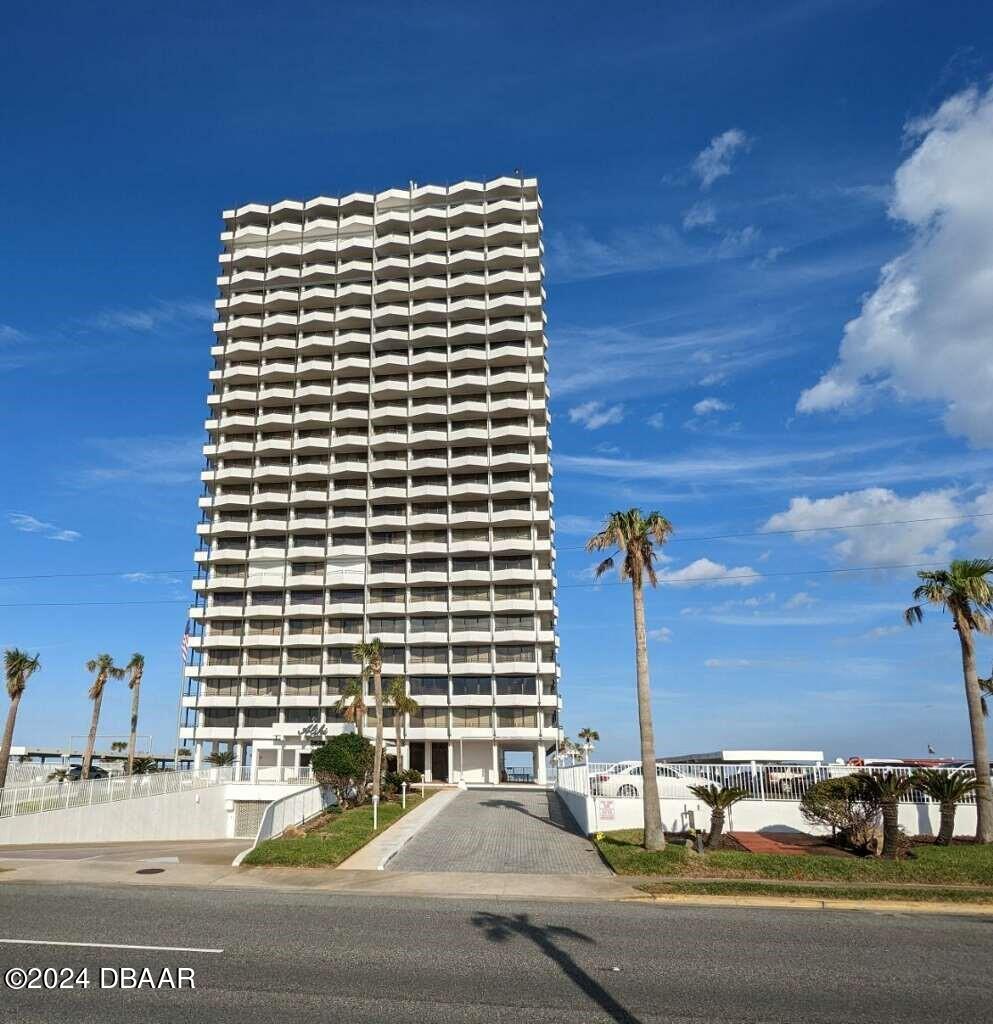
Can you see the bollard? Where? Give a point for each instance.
(375, 813)
(403, 795)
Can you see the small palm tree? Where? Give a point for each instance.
(135, 669)
(887, 789)
(146, 765)
(719, 799)
(589, 737)
(965, 591)
(351, 705)
(948, 789)
(18, 667)
(404, 705)
(105, 669)
(218, 759)
(370, 657)
(634, 536)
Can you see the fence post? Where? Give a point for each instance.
(755, 772)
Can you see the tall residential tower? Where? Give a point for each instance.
(377, 466)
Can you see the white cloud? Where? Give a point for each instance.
(699, 215)
(656, 421)
(926, 332)
(714, 161)
(709, 406)
(593, 415)
(572, 524)
(730, 663)
(160, 314)
(704, 571)
(663, 634)
(800, 600)
(882, 631)
(29, 524)
(846, 516)
(149, 460)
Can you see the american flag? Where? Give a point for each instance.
(184, 647)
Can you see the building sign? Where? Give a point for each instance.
(314, 731)
(606, 810)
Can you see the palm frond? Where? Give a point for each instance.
(914, 614)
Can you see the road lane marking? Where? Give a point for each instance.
(107, 945)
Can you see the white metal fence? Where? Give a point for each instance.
(54, 796)
(287, 811)
(622, 780)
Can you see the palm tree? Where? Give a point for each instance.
(589, 737)
(948, 789)
(966, 592)
(218, 759)
(634, 536)
(719, 799)
(404, 705)
(105, 669)
(147, 765)
(18, 667)
(370, 657)
(351, 705)
(886, 789)
(135, 669)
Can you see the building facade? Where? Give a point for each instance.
(377, 466)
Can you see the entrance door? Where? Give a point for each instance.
(439, 762)
(417, 757)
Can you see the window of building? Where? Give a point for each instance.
(220, 718)
(221, 687)
(436, 686)
(259, 718)
(265, 627)
(427, 655)
(505, 622)
(298, 627)
(261, 687)
(222, 657)
(303, 656)
(472, 718)
(430, 718)
(261, 656)
(471, 686)
(514, 685)
(517, 718)
(478, 654)
(306, 687)
(302, 715)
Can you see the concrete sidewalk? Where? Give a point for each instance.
(376, 853)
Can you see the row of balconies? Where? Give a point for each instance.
(358, 313)
(523, 258)
(190, 734)
(503, 187)
(420, 628)
(350, 246)
(252, 296)
(413, 435)
(282, 380)
(391, 666)
(221, 552)
(288, 227)
(349, 444)
(228, 614)
(264, 520)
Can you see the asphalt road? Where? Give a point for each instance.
(332, 957)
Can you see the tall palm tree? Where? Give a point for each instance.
(887, 789)
(634, 536)
(948, 789)
(370, 656)
(719, 799)
(18, 667)
(135, 669)
(965, 591)
(351, 705)
(589, 737)
(404, 705)
(105, 669)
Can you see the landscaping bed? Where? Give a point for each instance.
(961, 863)
(333, 838)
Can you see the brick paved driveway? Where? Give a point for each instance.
(502, 830)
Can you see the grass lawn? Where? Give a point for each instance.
(342, 833)
(961, 864)
(737, 887)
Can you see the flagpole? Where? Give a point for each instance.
(183, 655)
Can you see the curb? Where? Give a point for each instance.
(807, 903)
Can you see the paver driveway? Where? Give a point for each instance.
(502, 830)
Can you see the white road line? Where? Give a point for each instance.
(107, 945)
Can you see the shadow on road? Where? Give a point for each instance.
(503, 927)
(516, 805)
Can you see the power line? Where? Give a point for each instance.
(672, 540)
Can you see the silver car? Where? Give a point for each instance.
(625, 780)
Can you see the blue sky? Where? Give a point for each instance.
(726, 188)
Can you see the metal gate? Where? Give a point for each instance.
(248, 817)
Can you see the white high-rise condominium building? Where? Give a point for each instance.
(377, 466)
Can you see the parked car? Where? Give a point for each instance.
(75, 773)
(625, 780)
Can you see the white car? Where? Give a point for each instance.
(624, 780)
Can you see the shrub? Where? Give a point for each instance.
(847, 806)
(345, 764)
(394, 780)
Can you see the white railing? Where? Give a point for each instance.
(55, 796)
(621, 780)
(288, 811)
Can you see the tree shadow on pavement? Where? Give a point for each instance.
(503, 927)
(516, 805)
